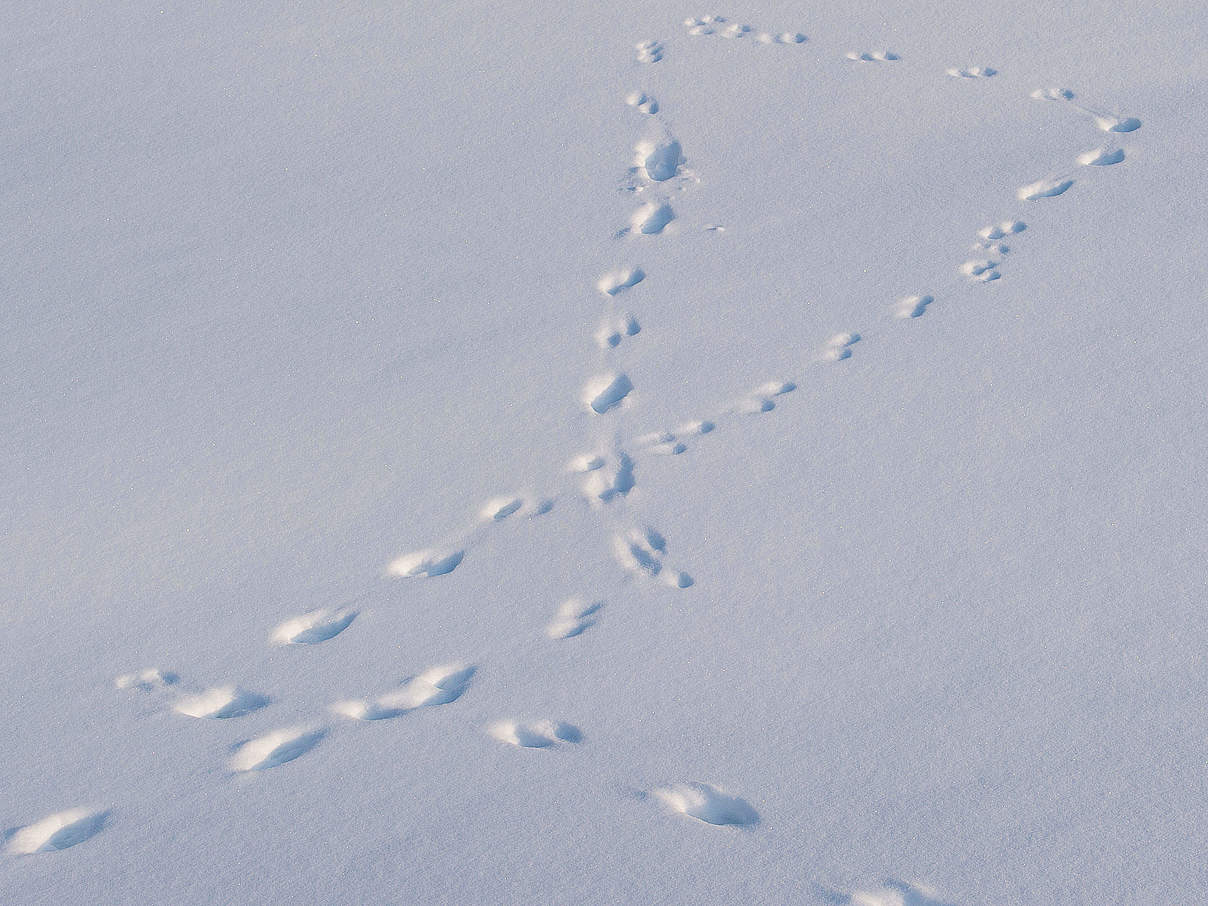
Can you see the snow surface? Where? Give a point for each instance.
(874, 333)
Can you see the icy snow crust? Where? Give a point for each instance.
(487, 453)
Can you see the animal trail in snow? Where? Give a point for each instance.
(435, 686)
(708, 804)
(313, 628)
(1105, 121)
(574, 617)
(540, 734)
(61, 830)
(275, 748)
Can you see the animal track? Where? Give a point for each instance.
(972, 72)
(313, 628)
(539, 735)
(659, 158)
(146, 680)
(1044, 188)
(643, 102)
(1053, 94)
(606, 392)
(1101, 157)
(649, 51)
(785, 37)
(839, 347)
(708, 804)
(612, 331)
(1107, 122)
(999, 230)
(980, 271)
(608, 477)
(221, 703)
(912, 306)
(874, 56)
(275, 748)
(499, 508)
(58, 831)
(651, 218)
(641, 551)
(425, 563)
(762, 399)
(619, 280)
(436, 686)
(894, 893)
(574, 616)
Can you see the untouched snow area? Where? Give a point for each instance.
(598, 453)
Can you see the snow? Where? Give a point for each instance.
(877, 575)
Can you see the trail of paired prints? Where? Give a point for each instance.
(604, 476)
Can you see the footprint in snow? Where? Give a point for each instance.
(641, 551)
(435, 686)
(1105, 121)
(221, 703)
(612, 331)
(606, 391)
(708, 804)
(980, 270)
(275, 748)
(542, 734)
(972, 72)
(617, 281)
(61, 830)
(839, 347)
(147, 680)
(606, 476)
(872, 56)
(425, 563)
(498, 509)
(648, 51)
(1050, 187)
(313, 628)
(912, 306)
(574, 617)
(1101, 157)
(650, 219)
(643, 102)
(763, 399)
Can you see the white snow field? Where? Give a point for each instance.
(874, 336)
